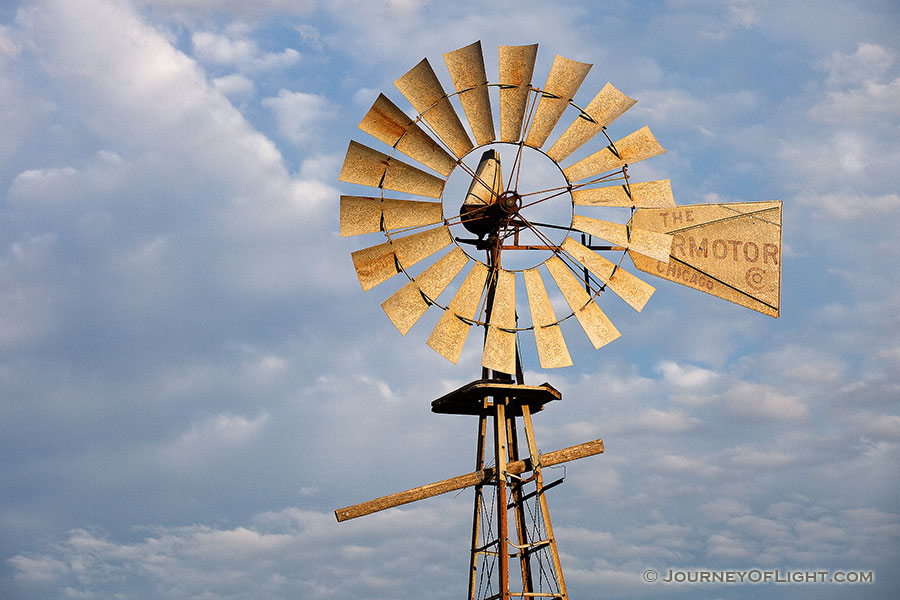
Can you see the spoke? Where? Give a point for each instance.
(517, 163)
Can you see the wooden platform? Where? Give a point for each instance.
(470, 398)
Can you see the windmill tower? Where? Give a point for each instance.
(528, 209)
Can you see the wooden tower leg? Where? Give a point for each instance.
(542, 500)
(500, 455)
(519, 510)
(479, 501)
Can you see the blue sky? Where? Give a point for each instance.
(191, 379)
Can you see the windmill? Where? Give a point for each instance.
(480, 215)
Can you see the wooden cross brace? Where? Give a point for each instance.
(462, 481)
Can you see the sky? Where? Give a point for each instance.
(192, 380)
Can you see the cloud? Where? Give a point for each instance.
(241, 53)
(763, 401)
(211, 439)
(685, 376)
(237, 7)
(659, 420)
(203, 561)
(234, 85)
(301, 116)
(868, 63)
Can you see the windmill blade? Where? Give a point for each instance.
(392, 126)
(365, 214)
(409, 303)
(646, 194)
(644, 241)
(607, 106)
(381, 262)
(449, 335)
(500, 340)
(632, 148)
(564, 80)
(731, 251)
(466, 67)
(366, 166)
(516, 69)
(595, 323)
(628, 287)
(551, 346)
(423, 90)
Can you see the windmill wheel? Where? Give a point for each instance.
(509, 207)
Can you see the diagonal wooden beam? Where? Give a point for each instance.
(467, 480)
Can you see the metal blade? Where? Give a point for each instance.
(392, 126)
(649, 243)
(466, 67)
(450, 333)
(379, 263)
(731, 251)
(409, 303)
(564, 80)
(628, 287)
(548, 337)
(366, 166)
(364, 214)
(500, 341)
(516, 69)
(646, 194)
(632, 148)
(595, 323)
(423, 90)
(606, 107)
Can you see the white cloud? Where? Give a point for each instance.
(234, 85)
(754, 458)
(689, 376)
(301, 116)
(241, 53)
(665, 421)
(849, 205)
(762, 401)
(257, 8)
(869, 62)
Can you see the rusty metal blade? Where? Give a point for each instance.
(563, 81)
(596, 324)
(628, 287)
(516, 69)
(607, 106)
(409, 303)
(548, 337)
(367, 166)
(632, 148)
(450, 333)
(365, 214)
(423, 90)
(466, 67)
(731, 251)
(644, 241)
(500, 341)
(379, 263)
(646, 194)
(392, 126)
